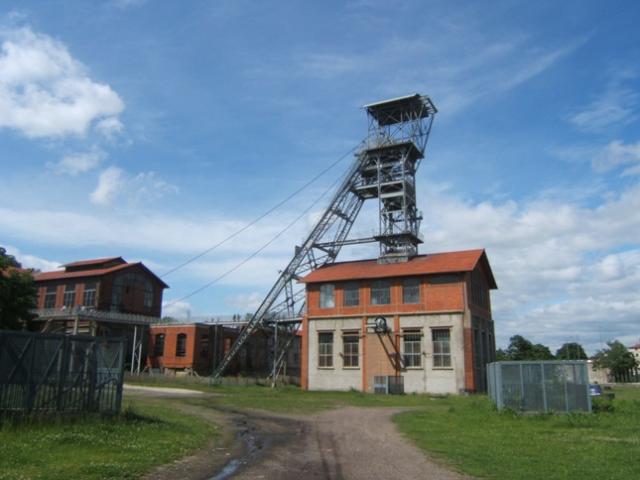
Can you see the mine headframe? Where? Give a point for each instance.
(384, 169)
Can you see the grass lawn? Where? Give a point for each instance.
(469, 434)
(95, 447)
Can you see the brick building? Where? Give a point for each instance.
(106, 296)
(198, 347)
(427, 320)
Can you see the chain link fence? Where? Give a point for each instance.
(544, 386)
(62, 373)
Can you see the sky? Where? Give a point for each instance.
(153, 129)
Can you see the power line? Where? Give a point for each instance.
(260, 217)
(263, 247)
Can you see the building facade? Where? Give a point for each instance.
(197, 348)
(100, 297)
(427, 320)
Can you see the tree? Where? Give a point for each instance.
(616, 358)
(17, 293)
(522, 349)
(571, 351)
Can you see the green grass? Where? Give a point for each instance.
(286, 399)
(470, 435)
(98, 447)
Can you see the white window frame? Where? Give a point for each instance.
(325, 351)
(441, 348)
(351, 356)
(411, 358)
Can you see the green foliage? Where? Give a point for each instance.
(571, 351)
(17, 294)
(522, 349)
(615, 357)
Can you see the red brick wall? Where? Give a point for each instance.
(433, 298)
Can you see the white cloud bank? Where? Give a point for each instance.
(45, 92)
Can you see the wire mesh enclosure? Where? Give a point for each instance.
(544, 386)
(63, 373)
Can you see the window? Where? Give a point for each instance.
(411, 290)
(441, 348)
(351, 294)
(327, 295)
(381, 292)
(148, 294)
(50, 297)
(204, 346)
(325, 349)
(158, 345)
(89, 299)
(350, 350)
(181, 345)
(412, 349)
(69, 298)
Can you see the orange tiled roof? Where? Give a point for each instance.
(96, 272)
(433, 263)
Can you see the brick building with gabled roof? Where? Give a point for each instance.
(426, 322)
(100, 297)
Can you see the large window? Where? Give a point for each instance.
(411, 290)
(89, 299)
(50, 297)
(69, 298)
(181, 345)
(158, 345)
(327, 296)
(351, 294)
(441, 347)
(381, 292)
(325, 349)
(412, 348)
(350, 349)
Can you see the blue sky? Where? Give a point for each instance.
(153, 129)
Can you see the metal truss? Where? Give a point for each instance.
(384, 169)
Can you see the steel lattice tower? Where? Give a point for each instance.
(384, 169)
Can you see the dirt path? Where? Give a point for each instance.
(348, 443)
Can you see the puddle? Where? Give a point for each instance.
(253, 445)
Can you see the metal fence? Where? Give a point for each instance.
(545, 386)
(63, 373)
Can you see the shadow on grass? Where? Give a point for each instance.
(18, 420)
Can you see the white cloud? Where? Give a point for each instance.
(245, 302)
(142, 187)
(45, 92)
(32, 261)
(110, 184)
(109, 127)
(617, 153)
(76, 163)
(124, 4)
(180, 309)
(616, 105)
